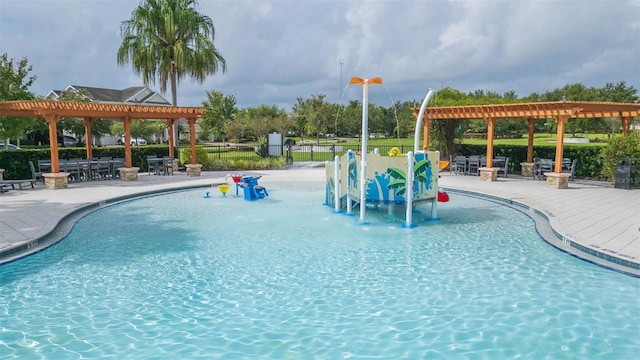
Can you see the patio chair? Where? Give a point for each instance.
(502, 163)
(44, 165)
(545, 166)
(36, 174)
(104, 168)
(167, 165)
(5, 184)
(452, 164)
(116, 164)
(474, 165)
(461, 165)
(571, 170)
(153, 164)
(12, 183)
(73, 168)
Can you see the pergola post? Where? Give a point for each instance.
(55, 179)
(126, 124)
(561, 120)
(488, 173)
(557, 179)
(626, 124)
(52, 122)
(425, 140)
(531, 122)
(128, 172)
(491, 122)
(193, 169)
(170, 140)
(192, 139)
(88, 137)
(528, 166)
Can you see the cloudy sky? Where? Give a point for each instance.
(280, 50)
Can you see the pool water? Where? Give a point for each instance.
(183, 276)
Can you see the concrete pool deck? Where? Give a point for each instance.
(590, 219)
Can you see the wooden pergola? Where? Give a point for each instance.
(560, 111)
(51, 111)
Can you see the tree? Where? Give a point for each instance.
(75, 126)
(139, 128)
(299, 118)
(319, 116)
(352, 118)
(444, 133)
(263, 119)
(406, 121)
(14, 85)
(172, 40)
(218, 109)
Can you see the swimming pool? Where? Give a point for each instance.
(181, 276)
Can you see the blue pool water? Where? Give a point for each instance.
(179, 276)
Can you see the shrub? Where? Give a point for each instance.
(617, 147)
(201, 156)
(246, 164)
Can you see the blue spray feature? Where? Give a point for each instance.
(252, 191)
(207, 195)
(352, 170)
(329, 192)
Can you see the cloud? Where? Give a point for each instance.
(280, 50)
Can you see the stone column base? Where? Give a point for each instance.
(193, 169)
(527, 169)
(56, 181)
(129, 174)
(557, 181)
(1, 174)
(488, 174)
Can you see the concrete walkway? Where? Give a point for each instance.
(590, 219)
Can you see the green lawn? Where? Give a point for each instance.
(538, 140)
(541, 140)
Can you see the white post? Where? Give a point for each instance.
(416, 139)
(363, 154)
(336, 183)
(349, 205)
(409, 190)
(434, 204)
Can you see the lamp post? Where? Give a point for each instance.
(363, 153)
(336, 122)
(341, 63)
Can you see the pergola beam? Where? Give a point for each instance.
(540, 110)
(96, 110)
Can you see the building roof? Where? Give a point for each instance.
(130, 95)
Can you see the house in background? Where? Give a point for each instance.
(136, 95)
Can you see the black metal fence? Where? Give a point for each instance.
(293, 153)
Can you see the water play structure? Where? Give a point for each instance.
(249, 185)
(373, 179)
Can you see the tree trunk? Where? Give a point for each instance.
(174, 102)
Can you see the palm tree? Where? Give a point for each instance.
(169, 39)
(399, 183)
